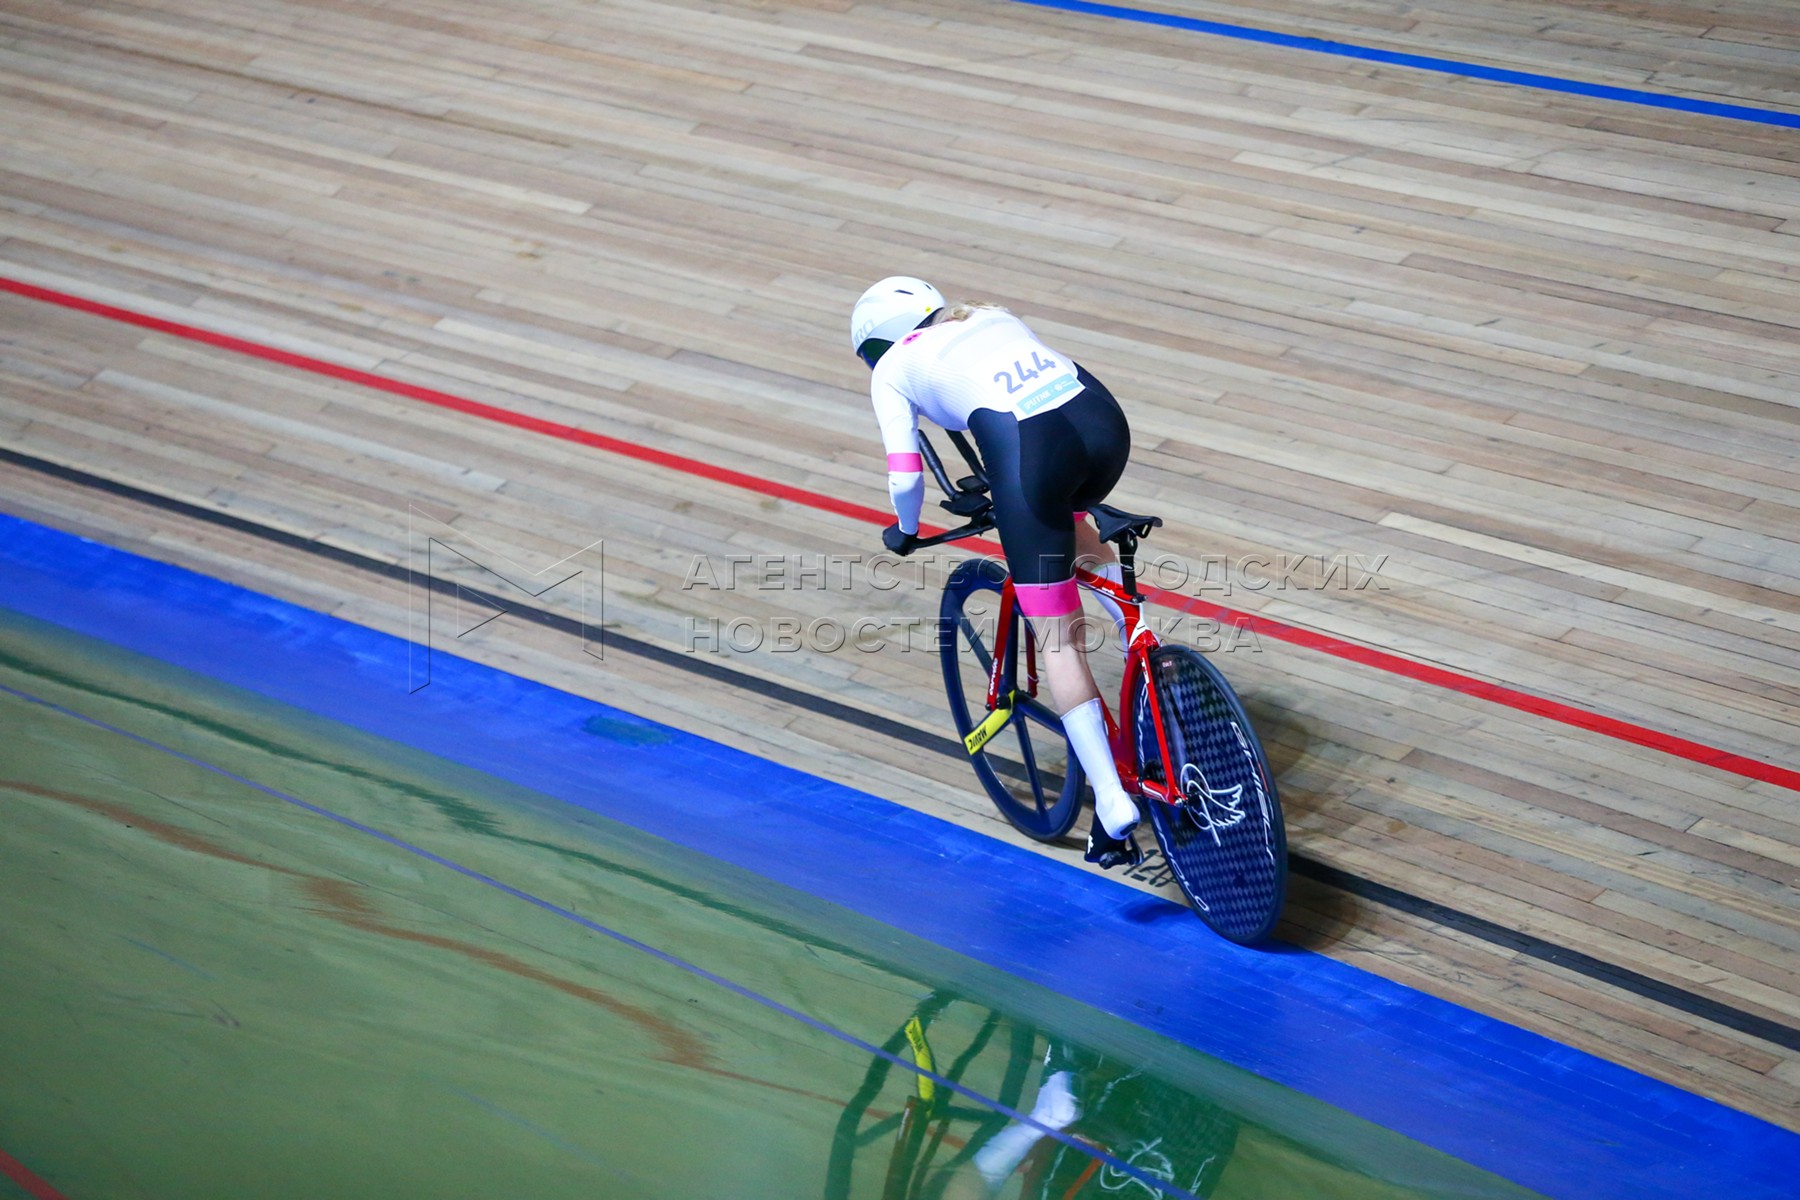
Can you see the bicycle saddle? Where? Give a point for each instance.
(1116, 522)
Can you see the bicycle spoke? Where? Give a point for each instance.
(974, 639)
(1011, 768)
(1034, 778)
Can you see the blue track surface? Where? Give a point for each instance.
(1448, 66)
(1514, 1103)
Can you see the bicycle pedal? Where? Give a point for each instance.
(1109, 852)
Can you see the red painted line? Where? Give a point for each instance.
(1567, 714)
(20, 1174)
(474, 408)
(1394, 664)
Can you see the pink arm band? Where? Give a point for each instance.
(906, 462)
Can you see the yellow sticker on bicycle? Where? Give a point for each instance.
(983, 733)
(915, 1033)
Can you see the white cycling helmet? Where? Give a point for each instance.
(889, 311)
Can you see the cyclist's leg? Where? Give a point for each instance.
(1096, 556)
(1106, 443)
(1090, 551)
(1034, 467)
(1057, 1106)
(1065, 668)
(1094, 422)
(1041, 468)
(1029, 464)
(1061, 638)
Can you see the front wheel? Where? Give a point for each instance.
(1227, 844)
(1027, 768)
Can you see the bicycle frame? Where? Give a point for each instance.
(1241, 902)
(1140, 641)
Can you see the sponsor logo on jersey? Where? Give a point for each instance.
(1057, 389)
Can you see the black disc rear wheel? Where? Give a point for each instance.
(1027, 768)
(1227, 845)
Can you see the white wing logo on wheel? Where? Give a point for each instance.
(1212, 809)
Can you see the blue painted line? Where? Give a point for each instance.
(1448, 66)
(149, 949)
(623, 939)
(561, 1143)
(1512, 1102)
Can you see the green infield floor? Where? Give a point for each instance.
(211, 991)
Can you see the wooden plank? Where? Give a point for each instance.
(1535, 349)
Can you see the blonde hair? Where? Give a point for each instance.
(962, 310)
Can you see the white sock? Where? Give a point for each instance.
(1056, 1107)
(1004, 1152)
(1116, 574)
(1056, 1104)
(1086, 727)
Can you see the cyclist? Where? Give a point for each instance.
(1183, 1140)
(1054, 442)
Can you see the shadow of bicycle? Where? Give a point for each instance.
(1315, 915)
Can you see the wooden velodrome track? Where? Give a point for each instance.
(1522, 362)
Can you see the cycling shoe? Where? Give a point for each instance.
(1112, 852)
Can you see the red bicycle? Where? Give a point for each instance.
(1181, 739)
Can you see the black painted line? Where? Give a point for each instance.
(1529, 945)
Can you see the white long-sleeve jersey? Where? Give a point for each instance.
(990, 359)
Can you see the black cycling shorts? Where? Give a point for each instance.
(1046, 468)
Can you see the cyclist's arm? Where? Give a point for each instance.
(900, 438)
